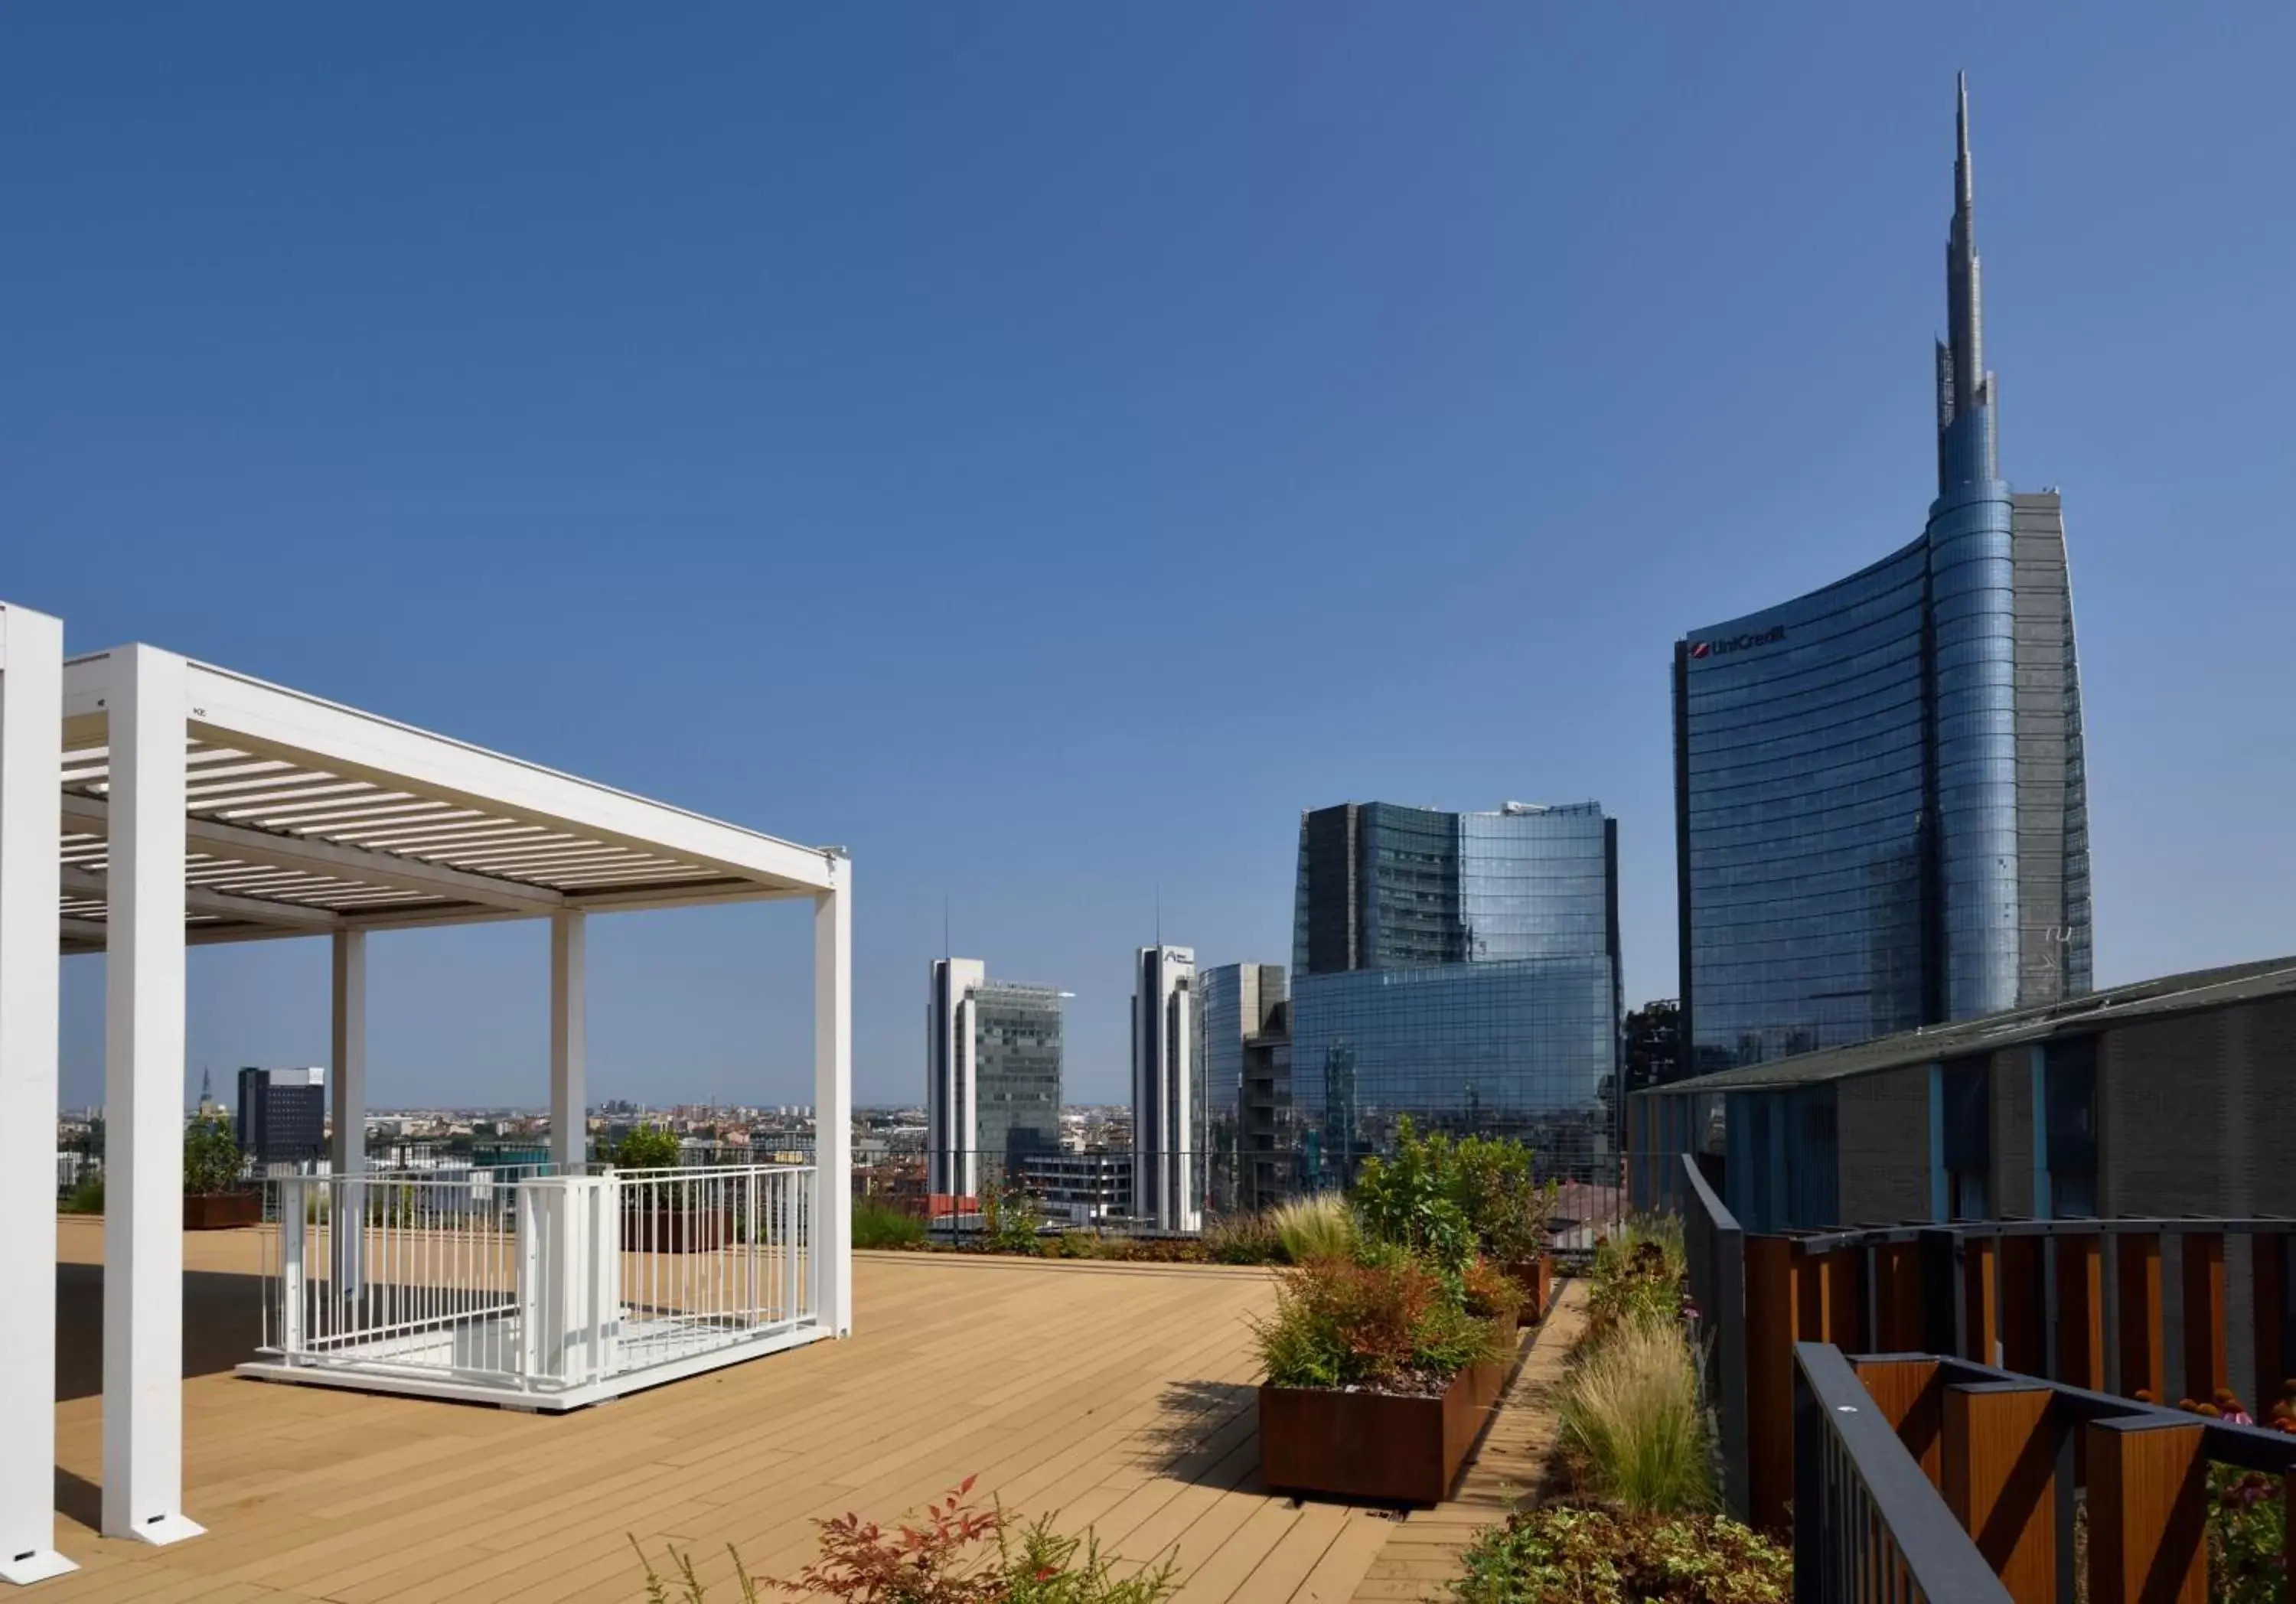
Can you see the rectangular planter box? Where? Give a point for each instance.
(671, 1229)
(1375, 1446)
(1538, 1278)
(220, 1211)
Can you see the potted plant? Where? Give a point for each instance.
(663, 1212)
(1378, 1380)
(213, 1198)
(1452, 1199)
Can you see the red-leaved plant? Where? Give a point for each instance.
(863, 1563)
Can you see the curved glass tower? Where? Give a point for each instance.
(1880, 809)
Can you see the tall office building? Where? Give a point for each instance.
(992, 1076)
(1880, 809)
(1241, 1010)
(1170, 1139)
(283, 1115)
(1458, 968)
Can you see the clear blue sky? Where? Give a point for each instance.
(1046, 447)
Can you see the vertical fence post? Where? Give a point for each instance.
(1768, 1322)
(2269, 1316)
(2079, 1349)
(2000, 1465)
(1980, 1301)
(294, 1246)
(1716, 1249)
(1911, 1399)
(1812, 1509)
(2137, 1259)
(2022, 1267)
(2207, 1360)
(2147, 1512)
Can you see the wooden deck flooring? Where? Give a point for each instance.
(1115, 1396)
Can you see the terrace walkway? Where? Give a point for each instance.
(1117, 1396)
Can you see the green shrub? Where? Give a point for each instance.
(210, 1157)
(938, 1558)
(647, 1147)
(86, 1195)
(1451, 1197)
(879, 1224)
(1637, 1274)
(1405, 1199)
(1490, 1179)
(1631, 1422)
(1559, 1555)
(1008, 1219)
(1244, 1239)
(1338, 1323)
(1309, 1229)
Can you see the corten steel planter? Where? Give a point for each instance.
(668, 1229)
(1538, 1278)
(220, 1211)
(1378, 1447)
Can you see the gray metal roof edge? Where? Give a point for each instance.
(2166, 996)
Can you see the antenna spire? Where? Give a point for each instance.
(1965, 434)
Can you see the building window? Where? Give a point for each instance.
(2069, 1088)
(1968, 1144)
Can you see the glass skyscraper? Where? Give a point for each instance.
(1460, 968)
(1880, 809)
(992, 1075)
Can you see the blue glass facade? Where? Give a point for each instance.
(1460, 969)
(1881, 804)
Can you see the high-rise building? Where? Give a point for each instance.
(1170, 1139)
(283, 1115)
(1881, 807)
(992, 1076)
(1460, 968)
(1241, 1010)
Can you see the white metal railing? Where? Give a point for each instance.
(522, 1282)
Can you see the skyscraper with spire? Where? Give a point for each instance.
(1881, 808)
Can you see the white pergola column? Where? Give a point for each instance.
(347, 1092)
(31, 774)
(143, 1103)
(570, 1123)
(832, 1247)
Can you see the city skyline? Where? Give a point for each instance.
(1502, 384)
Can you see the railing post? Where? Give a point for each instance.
(294, 1246)
(1813, 1509)
(2000, 1462)
(2147, 1512)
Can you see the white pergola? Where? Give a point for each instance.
(194, 805)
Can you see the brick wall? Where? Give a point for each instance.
(1882, 1132)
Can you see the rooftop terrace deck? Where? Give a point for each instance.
(1117, 1396)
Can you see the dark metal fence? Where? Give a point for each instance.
(1714, 1247)
(1868, 1523)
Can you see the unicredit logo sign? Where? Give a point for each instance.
(1729, 644)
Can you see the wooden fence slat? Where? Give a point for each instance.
(1770, 1322)
(2024, 1310)
(2268, 1333)
(2207, 1368)
(2000, 1480)
(2137, 1315)
(2080, 1312)
(1980, 1310)
(1910, 1396)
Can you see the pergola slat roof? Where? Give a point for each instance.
(289, 835)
